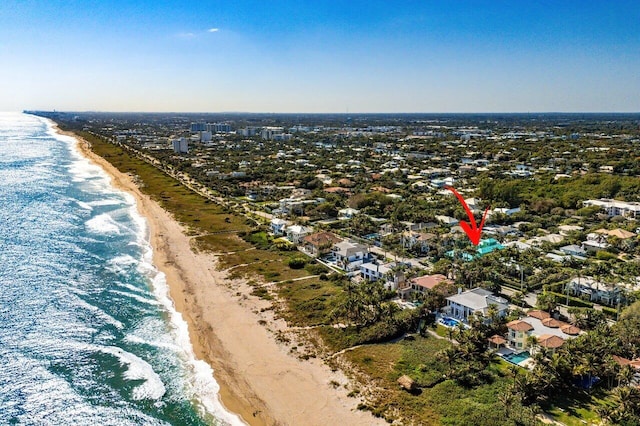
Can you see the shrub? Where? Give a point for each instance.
(605, 255)
(610, 312)
(315, 269)
(297, 263)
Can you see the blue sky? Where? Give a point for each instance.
(320, 56)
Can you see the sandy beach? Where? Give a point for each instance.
(260, 379)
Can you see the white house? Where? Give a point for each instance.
(447, 220)
(616, 208)
(574, 250)
(296, 233)
(595, 242)
(278, 226)
(349, 255)
(594, 290)
(423, 240)
(475, 301)
(392, 279)
(347, 213)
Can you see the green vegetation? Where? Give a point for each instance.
(542, 196)
(440, 400)
(345, 315)
(310, 302)
(198, 214)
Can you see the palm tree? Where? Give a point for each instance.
(625, 375)
(532, 341)
(449, 356)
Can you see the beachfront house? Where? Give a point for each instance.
(296, 233)
(474, 302)
(518, 335)
(278, 226)
(350, 255)
(427, 283)
(374, 271)
(549, 332)
(319, 243)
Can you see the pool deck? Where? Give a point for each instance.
(527, 363)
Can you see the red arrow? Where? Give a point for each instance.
(472, 231)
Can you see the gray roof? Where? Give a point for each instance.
(478, 299)
(347, 248)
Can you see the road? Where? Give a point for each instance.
(531, 300)
(412, 261)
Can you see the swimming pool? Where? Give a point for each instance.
(449, 322)
(517, 358)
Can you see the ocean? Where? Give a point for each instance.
(88, 334)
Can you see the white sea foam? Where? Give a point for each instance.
(107, 202)
(203, 386)
(103, 224)
(132, 288)
(83, 205)
(47, 399)
(120, 264)
(83, 170)
(132, 338)
(137, 297)
(202, 381)
(98, 313)
(139, 369)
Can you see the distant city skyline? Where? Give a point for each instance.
(321, 56)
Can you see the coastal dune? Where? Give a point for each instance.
(259, 379)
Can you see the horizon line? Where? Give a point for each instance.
(327, 113)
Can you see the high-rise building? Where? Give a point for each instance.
(180, 146)
(198, 127)
(218, 127)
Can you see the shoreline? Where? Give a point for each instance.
(259, 380)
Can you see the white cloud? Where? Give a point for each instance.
(213, 30)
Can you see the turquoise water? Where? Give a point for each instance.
(449, 322)
(518, 358)
(88, 334)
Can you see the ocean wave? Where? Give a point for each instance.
(107, 202)
(194, 378)
(83, 205)
(143, 300)
(132, 288)
(83, 170)
(204, 385)
(121, 264)
(135, 339)
(98, 313)
(103, 224)
(139, 369)
(32, 394)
